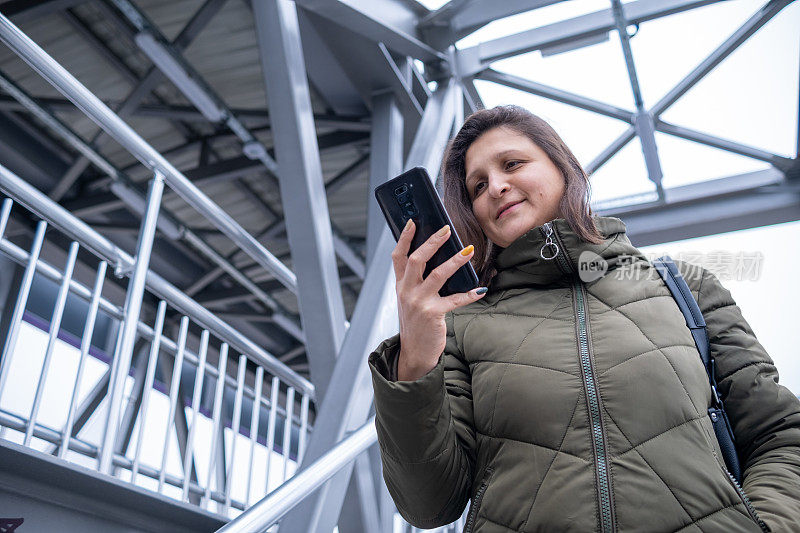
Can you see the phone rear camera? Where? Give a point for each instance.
(403, 198)
(400, 190)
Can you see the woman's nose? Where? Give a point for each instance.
(497, 185)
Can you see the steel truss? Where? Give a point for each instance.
(358, 57)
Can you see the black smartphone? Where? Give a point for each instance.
(411, 195)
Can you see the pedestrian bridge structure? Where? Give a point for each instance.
(193, 269)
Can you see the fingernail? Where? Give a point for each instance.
(442, 232)
(467, 250)
(482, 290)
(408, 224)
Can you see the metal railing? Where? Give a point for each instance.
(276, 504)
(119, 449)
(258, 389)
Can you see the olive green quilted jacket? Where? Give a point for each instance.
(566, 403)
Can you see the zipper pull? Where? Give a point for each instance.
(549, 242)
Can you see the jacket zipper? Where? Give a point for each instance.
(607, 521)
(549, 231)
(473, 511)
(602, 473)
(750, 509)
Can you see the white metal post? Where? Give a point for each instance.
(133, 305)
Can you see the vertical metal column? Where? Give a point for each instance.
(302, 188)
(345, 408)
(219, 391)
(235, 422)
(133, 305)
(385, 160)
(152, 362)
(643, 120)
(86, 342)
(10, 281)
(273, 412)
(188, 456)
(22, 301)
(55, 326)
(174, 397)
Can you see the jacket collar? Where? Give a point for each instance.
(521, 263)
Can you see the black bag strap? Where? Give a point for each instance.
(694, 320)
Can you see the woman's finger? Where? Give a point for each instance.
(439, 276)
(454, 301)
(400, 252)
(415, 266)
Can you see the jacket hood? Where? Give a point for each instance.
(521, 263)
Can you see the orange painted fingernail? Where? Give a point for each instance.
(467, 250)
(442, 232)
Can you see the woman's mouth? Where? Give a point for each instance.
(508, 210)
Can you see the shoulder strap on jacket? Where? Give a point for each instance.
(688, 305)
(694, 319)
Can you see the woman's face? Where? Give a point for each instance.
(505, 167)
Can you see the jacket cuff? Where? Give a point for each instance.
(412, 417)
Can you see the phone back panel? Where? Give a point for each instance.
(411, 195)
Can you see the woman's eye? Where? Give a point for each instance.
(511, 164)
(478, 187)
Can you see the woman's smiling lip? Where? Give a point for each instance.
(506, 210)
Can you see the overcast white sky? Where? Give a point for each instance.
(751, 98)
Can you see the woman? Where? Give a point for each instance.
(560, 403)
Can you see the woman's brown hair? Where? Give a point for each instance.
(574, 204)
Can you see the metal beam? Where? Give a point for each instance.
(23, 11)
(302, 186)
(190, 83)
(643, 121)
(559, 95)
(345, 252)
(459, 18)
(476, 58)
(375, 68)
(179, 421)
(375, 317)
(386, 160)
(778, 161)
(326, 74)
(190, 114)
(140, 91)
(398, 83)
(750, 26)
(99, 46)
(132, 198)
(134, 403)
(240, 166)
(392, 22)
(56, 150)
(138, 147)
(711, 207)
(72, 227)
(472, 100)
(133, 305)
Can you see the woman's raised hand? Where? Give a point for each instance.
(421, 310)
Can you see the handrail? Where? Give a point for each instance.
(124, 188)
(272, 507)
(117, 128)
(55, 214)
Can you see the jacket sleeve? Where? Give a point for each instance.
(764, 414)
(425, 433)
